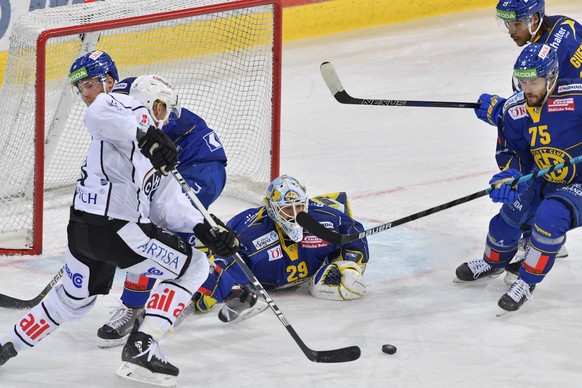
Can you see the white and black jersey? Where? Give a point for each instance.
(117, 180)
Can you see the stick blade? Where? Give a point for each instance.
(317, 229)
(331, 78)
(351, 353)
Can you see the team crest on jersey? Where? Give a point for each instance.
(151, 183)
(561, 104)
(569, 88)
(275, 253)
(265, 240)
(312, 242)
(518, 111)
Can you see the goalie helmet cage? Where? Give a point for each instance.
(223, 57)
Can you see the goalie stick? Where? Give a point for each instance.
(336, 88)
(317, 229)
(349, 353)
(10, 302)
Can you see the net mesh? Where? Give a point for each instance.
(221, 63)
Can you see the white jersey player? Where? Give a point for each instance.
(123, 206)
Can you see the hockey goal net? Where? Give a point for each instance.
(223, 57)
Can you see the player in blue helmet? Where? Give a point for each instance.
(522, 19)
(124, 203)
(90, 68)
(541, 126)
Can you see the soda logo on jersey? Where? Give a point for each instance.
(569, 88)
(561, 104)
(163, 302)
(275, 253)
(76, 278)
(151, 183)
(518, 111)
(265, 240)
(32, 328)
(162, 254)
(312, 242)
(384, 102)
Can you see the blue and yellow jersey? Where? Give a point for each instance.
(564, 35)
(537, 138)
(278, 262)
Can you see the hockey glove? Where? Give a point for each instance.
(221, 240)
(159, 149)
(491, 109)
(502, 192)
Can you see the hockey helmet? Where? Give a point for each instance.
(93, 64)
(151, 88)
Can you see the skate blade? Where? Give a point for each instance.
(501, 312)
(258, 308)
(105, 343)
(134, 372)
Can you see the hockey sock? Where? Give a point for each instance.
(165, 304)
(32, 328)
(136, 290)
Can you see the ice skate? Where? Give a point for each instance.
(117, 329)
(242, 303)
(516, 296)
(144, 361)
(474, 270)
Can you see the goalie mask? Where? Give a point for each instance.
(285, 198)
(96, 64)
(151, 88)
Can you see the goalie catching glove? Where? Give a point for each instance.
(159, 149)
(339, 280)
(221, 240)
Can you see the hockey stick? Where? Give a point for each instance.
(10, 302)
(336, 88)
(314, 227)
(350, 353)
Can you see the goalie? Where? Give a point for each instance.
(282, 254)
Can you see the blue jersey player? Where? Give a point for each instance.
(282, 254)
(541, 124)
(526, 22)
(202, 163)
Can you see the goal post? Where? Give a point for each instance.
(223, 57)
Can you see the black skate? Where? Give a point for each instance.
(117, 329)
(475, 269)
(242, 303)
(7, 351)
(516, 296)
(145, 362)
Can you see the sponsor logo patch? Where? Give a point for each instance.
(312, 242)
(275, 253)
(561, 104)
(569, 88)
(265, 240)
(518, 111)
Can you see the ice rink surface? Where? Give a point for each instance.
(393, 162)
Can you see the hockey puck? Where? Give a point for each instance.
(390, 349)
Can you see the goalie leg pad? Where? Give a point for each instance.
(339, 280)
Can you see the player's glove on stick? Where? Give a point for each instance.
(159, 149)
(491, 109)
(220, 240)
(502, 192)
